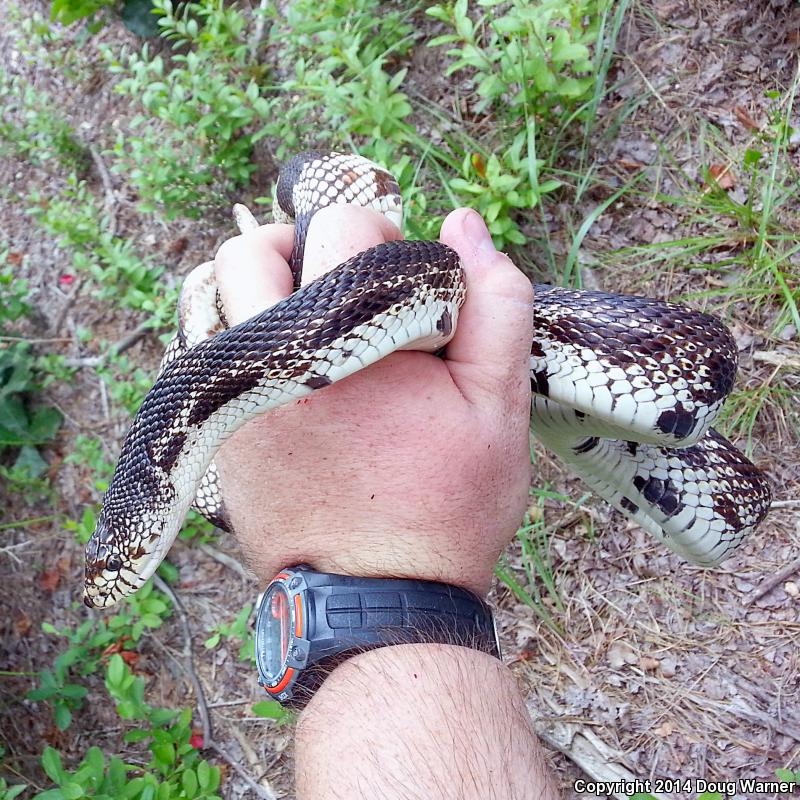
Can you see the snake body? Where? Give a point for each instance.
(624, 388)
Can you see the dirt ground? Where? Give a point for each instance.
(660, 669)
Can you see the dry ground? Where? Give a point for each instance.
(675, 671)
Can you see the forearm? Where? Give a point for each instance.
(420, 721)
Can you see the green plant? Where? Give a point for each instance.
(193, 143)
(497, 186)
(33, 131)
(81, 658)
(533, 541)
(10, 792)
(238, 629)
(25, 422)
(168, 733)
(80, 226)
(532, 60)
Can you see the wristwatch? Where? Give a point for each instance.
(309, 622)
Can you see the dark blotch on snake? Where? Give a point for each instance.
(659, 492)
(539, 383)
(676, 421)
(169, 455)
(318, 382)
(445, 324)
(586, 445)
(632, 447)
(629, 505)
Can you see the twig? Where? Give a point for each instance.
(583, 747)
(70, 299)
(265, 794)
(200, 695)
(226, 560)
(258, 33)
(8, 548)
(58, 339)
(111, 198)
(104, 400)
(92, 362)
(784, 503)
(773, 580)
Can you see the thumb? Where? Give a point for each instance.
(489, 355)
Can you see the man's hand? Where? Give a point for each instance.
(416, 467)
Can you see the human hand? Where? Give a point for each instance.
(415, 467)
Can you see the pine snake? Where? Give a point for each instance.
(624, 389)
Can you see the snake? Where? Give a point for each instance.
(624, 389)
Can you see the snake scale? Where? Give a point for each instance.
(624, 389)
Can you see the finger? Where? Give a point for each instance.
(252, 271)
(338, 232)
(490, 353)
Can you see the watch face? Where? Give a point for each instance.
(275, 642)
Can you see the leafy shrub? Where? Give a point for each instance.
(24, 423)
(531, 59)
(193, 143)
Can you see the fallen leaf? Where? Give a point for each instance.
(22, 624)
(115, 647)
(744, 117)
(722, 175)
(14, 258)
(648, 663)
(178, 246)
(665, 729)
(130, 657)
(196, 740)
(620, 654)
(630, 164)
(49, 579)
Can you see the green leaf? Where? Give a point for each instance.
(30, 462)
(52, 765)
(74, 691)
(44, 424)
(204, 775)
(72, 791)
(62, 716)
(189, 782)
(50, 794)
(116, 670)
(271, 709)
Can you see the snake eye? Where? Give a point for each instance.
(114, 563)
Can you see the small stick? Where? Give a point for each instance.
(92, 362)
(784, 503)
(105, 177)
(226, 560)
(200, 695)
(773, 580)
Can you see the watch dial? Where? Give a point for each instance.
(276, 645)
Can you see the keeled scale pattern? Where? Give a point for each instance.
(648, 370)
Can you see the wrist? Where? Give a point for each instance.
(426, 717)
(370, 555)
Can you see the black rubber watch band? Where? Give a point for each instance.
(330, 618)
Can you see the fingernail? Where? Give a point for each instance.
(476, 233)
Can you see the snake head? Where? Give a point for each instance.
(113, 569)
